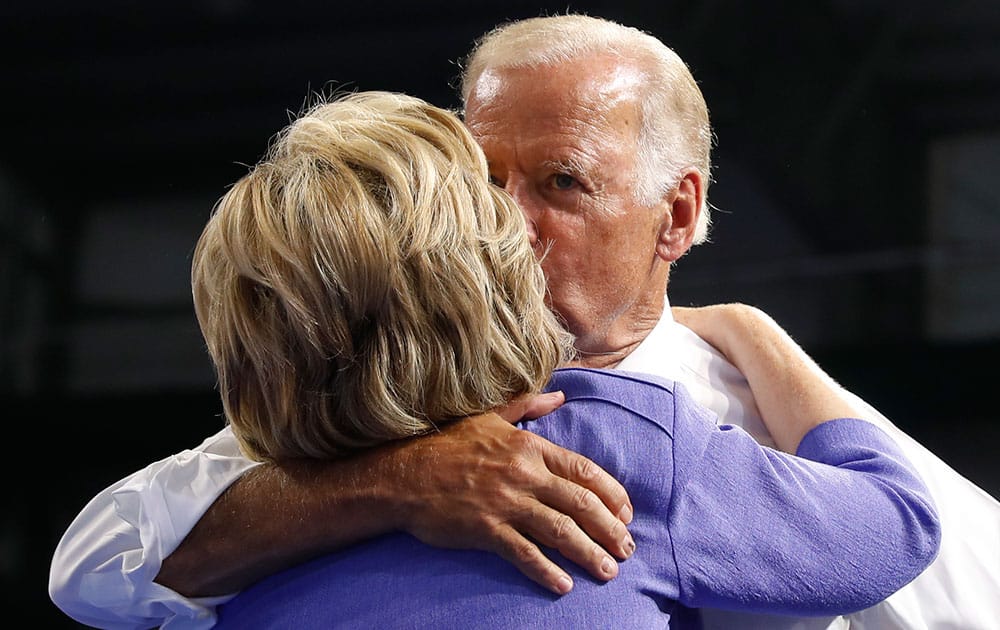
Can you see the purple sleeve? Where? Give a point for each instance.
(842, 526)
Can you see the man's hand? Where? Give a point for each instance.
(480, 483)
(483, 484)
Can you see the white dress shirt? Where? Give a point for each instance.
(103, 568)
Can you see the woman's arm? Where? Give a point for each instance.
(792, 392)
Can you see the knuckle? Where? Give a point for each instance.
(520, 469)
(524, 442)
(585, 500)
(585, 470)
(492, 530)
(525, 470)
(525, 553)
(618, 530)
(562, 528)
(489, 535)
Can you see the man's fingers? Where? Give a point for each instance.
(586, 507)
(582, 528)
(594, 502)
(529, 560)
(581, 471)
(552, 528)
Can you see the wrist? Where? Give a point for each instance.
(382, 496)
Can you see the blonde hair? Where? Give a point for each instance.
(364, 283)
(676, 133)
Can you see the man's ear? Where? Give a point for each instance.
(681, 210)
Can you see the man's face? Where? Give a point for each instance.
(562, 142)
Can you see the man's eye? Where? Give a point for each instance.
(563, 181)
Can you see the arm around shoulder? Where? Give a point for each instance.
(793, 394)
(480, 483)
(857, 522)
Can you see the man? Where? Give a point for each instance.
(604, 141)
(602, 137)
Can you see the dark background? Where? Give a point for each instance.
(857, 200)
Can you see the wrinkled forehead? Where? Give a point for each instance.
(606, 80)
(594, 95)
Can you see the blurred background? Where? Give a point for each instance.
(857, 196)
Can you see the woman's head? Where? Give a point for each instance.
(365, 282)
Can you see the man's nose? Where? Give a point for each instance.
(528, 206)
(532, 229)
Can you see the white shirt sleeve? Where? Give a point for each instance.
(103, 568)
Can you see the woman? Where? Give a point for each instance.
(365, 283)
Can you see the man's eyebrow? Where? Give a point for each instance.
(571, 165)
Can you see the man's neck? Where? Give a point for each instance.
(601, 359)
(611, 349)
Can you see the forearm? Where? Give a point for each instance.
(277, 516)
(478, 484)
(792, 392)
(475, 484)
